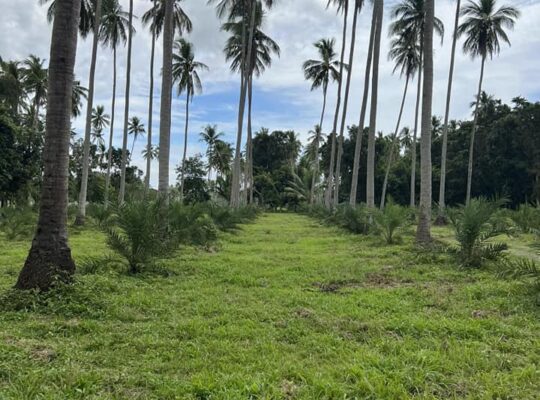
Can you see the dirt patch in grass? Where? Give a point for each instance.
(336, 285)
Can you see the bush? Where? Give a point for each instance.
(100, 214)
(475, 224)
(191, 225)
(526, 218)
(354, 219)
(17, 223)
(390, 220)
(522, 269)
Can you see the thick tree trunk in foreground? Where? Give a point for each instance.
(50, 256)
(360, 131)
(81, 212)
(111, 134)
(370, 182)
(442, 188)
(423, 232)
(166, 101)
(122, 193)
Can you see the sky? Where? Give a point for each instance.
(282, 98)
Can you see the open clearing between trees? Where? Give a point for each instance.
(285, 308)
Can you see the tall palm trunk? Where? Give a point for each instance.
(122, 193)
(415, 132)
(360, 130)
(393, 148)
(184, 155)
(442, 187)
(315, 177)
(473, 133)
(81, 212)
(370, 182)
(111, 134)
(166, 101)
(423, 233)
(248, 167)
(150, 112)
(50, 256)
(345, 106)
(333, 134)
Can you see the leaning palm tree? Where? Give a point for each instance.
(423, 231)
(409, 15)
(123, 163)
(185, 72)
(320, 72)
(315, 140)
(81, 212)
(35, 81)
(484, 30)
(49, 259)
(406, 54)
(155, 17)
(135, 129)
(113, 32)
(210, 136)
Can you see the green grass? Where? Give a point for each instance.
(285, 309)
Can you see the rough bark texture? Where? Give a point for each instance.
(111, 133)
(415, 132)
(248, 167)
(50, 256)
(442, 187)
(473, 133)
(184, 154)
(81, 211)
(122, 193)
(150, 112)
(423, 233)
(333, 134)
(345, 106)
(370, 182)
(394, 145)
(166, 101)
(360, 131)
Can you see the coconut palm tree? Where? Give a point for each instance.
(358, 4)
(78, 94)
(409, 15)
(423, 231)
(35, 81)
(100, 119)
(320, 72)
(370, 170)
(185, 71)
(405, 52)
(166, 100)
(210, 136)
(49, 258)
(360, 128)
(123, 163)
(113, 31)
(315, 139)
(442, 186)
(150, 153)
(81, 212)
(12, 85)
(155, 17)
(135, 129)
(484, 30)
(342, 6)
(86, 17)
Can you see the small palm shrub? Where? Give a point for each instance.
(526, 218)
(100, 214)
(140, 233)
(522, 269)
(354, 219)
(17, 223)
(475, 224)
(191, 225)
(389, 221)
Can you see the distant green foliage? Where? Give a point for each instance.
(526, 218)
(100, 213)
(17, 223)
(389, 221)
(475, 224)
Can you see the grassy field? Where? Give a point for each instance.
(283, 309)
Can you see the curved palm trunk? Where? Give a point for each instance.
(111, 134)
(122, 193)
(393, 148)
(442, 187)
(50, 256)
(473, 133)
(248, 167)
(360, 131)
(415, 133)
(184, 155)
(81, 212)
(315, 177)
(370, 182)
(150, 116)
(166, 101)
(333, 134)
(423, 233)
(345, 107)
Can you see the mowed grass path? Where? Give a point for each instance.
(285, 309)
